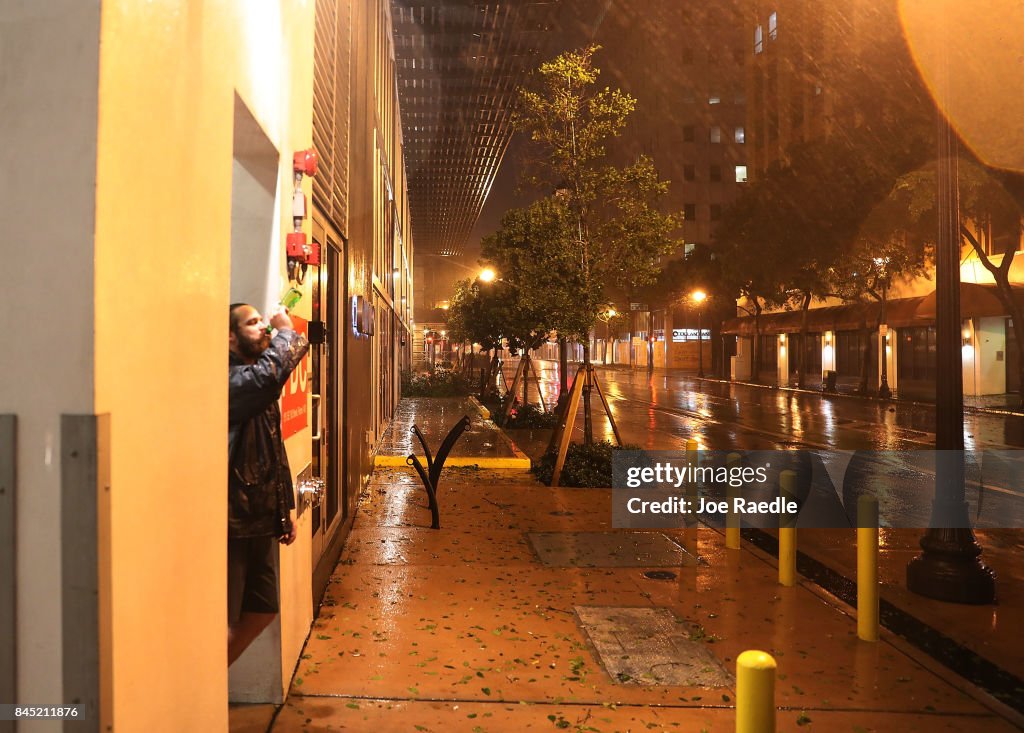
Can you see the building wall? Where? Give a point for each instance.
(122, 222)
(168, 77)
(50, 56)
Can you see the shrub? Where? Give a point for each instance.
(440, 382)
(585, 466)
(530, 416)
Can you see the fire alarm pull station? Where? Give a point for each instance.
(299, 251)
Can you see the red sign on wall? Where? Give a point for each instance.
(294, 396)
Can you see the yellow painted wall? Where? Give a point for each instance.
(168, 73)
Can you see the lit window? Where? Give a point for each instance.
(773, 25)
(716, 134)
(758, 39)
(741, 174)
(740, 135)
(714, 98)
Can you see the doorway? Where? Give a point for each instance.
(327, 380)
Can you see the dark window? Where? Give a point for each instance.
(916, 353)
(688, 133)
(689, 172)
(769, 353)
(715, 174)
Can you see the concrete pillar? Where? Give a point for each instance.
(782, 373)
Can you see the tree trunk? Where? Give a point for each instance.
(801, 359)
(1005, 294)
(755, 361)
(588, 424)
(563, 371)
(526, 379)
(865, 362)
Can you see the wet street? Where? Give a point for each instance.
(663, 410)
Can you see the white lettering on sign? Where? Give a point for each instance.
(690, 334)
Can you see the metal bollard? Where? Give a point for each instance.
(732, 519)
(692, 446)
(755, 692)
(787, 532)
(867, 568)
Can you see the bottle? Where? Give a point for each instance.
(289, 300)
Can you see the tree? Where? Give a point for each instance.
(617, 231)
(992, 222)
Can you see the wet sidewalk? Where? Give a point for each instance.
(527, 611)
(482, 444)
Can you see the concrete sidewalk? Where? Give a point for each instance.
(527, 611)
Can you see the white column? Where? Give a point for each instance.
(968, 352)
(782, 373)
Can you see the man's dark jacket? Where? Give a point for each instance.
(260, 492)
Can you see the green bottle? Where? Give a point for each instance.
(289, 300)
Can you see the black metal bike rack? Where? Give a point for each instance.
(435, 463)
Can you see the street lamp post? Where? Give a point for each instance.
(949, 567)
(698, 297)
(883, 387)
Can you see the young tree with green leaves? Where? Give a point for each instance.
(615, 231)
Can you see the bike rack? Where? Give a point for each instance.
(435, 463)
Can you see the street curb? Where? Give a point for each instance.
(484, 412)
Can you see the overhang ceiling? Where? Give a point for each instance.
(459, 66)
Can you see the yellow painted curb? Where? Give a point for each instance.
(509, 462)
(484, 412)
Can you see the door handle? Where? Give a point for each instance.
(317, 432)
(311, 491)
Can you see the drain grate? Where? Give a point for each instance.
(660, 575)
(647, 646)
(621, 549)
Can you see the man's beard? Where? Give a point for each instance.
(253, 349)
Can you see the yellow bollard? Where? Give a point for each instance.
(755, 692)
(867, 568)
(732, 519)
(787, 532)
(692, 447)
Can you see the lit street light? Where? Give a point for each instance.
(487, 275)
(698, 297)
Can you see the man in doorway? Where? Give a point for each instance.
(260, 491)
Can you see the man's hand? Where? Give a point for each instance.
(279, 318)
(287, 539)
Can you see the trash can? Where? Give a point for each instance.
(829, 382)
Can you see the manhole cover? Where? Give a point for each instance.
(619, 549)
(647, 646)
(660, 575)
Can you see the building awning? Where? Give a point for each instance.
(830, 318)
(976, 301)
